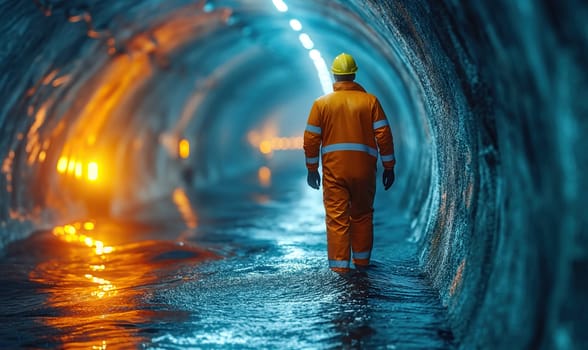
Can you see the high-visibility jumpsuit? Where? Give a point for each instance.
(351, 127)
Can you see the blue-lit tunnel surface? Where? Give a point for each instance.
(153, 183)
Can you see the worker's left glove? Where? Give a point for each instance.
(313, 179)
(388, 178)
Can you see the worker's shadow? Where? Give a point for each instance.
(352, 319)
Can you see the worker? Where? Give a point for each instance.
(347, 129)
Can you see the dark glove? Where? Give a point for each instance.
(388, 178)
(314, 179)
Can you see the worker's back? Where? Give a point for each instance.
(347, 116)
(346, 119)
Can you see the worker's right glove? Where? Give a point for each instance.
(314, 179)
(388, 178)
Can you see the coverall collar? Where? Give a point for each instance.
(347, 85)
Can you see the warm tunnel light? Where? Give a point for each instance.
(92, 171)
(184, 148)
(270, 145)
(71, 166)
(62, 165)
(78, 170)
(265, 147)
(89, 225)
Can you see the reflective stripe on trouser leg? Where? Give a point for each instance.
(361, 223)
(336, 200)
(362, 238)
(339, 264)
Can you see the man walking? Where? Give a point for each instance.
(348, 127)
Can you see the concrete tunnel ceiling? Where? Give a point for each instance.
(116, 86)
(208, 73)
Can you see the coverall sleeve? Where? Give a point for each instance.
(312, 138)
(383, 135)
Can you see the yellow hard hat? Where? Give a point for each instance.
(344, 64)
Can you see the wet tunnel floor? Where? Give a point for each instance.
(252, 274)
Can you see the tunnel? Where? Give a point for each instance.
(162, 138)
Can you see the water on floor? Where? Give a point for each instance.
(239, 267)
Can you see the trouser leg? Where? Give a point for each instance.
(362, 238)
(361, 223)
(336, 200)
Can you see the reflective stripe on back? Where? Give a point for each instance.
(380, 123)
(350, 147)
(313, 129)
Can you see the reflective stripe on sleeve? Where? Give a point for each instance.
(350, 147)
(314, 160)
(342, 264)
(362, 255)
(313, 129)
(380, 123)
(388, 158)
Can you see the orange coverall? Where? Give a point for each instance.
(348, 123)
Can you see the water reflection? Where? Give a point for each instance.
(352, 316)
(96, 292)
(184, 206)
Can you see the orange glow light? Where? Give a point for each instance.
(62, 165)
(69, 229)
(71, 166)
(92, 171)
(265, 147)
(272, 144)
(78, 170)
(184, 148)
(89, 225)
(287, 143)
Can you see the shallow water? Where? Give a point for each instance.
(250, 273)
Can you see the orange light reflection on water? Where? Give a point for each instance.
(184, 206)
(92, 294)
(95, 292)
(265, 176)
(77, 233)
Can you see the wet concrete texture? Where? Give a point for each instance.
(108, 106)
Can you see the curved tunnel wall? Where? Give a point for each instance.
(485, 100)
